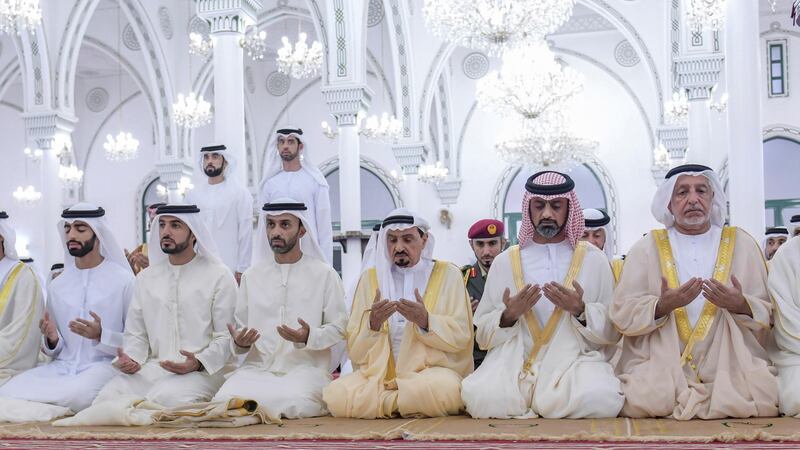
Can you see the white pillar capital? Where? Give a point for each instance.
(345, 101)
(47, 128)
(698, 74)
(676, 140)
(229, 16)
(448, 190)
(170, 172)
(410, 156)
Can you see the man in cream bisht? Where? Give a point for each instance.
(21, 307)
(286, 324)
(225, 206)
(409, 336)
(82, 326)
(693, 306)
(176, 337)
(543, 318)
(290, 173)
(784, 285)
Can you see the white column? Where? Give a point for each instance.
(49, 131)
(698, 74)
(745, 86)
(229, 20)
(345, 102)
(410, 156)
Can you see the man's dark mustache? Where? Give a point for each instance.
(400, 253)
(74, 242)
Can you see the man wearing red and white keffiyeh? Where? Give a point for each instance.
(543, 318)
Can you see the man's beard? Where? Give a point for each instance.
(548, 229)
(288, 157)
(286, 245)
(177, 248)
(212, 171)
(693, 221)
(84, 249)
(404, 260)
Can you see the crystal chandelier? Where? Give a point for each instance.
(530, 81)
(28, 196)
(661, 158)
(676, 111)
(191, 111)
(396, 176)
(254, 43)
(301, 61)
(547, 141)
(495, 25)
(199, 45)
(706, 13)
(18, 15)
(123, 147)
(70, 175)
(33, 155)
(386, 128)
(184, 186)
(432, 173)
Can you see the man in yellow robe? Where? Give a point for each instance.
(693, 306)
(409, 336)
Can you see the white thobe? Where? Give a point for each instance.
(571, 375)
(784, 285)
(287, 379)
(80, 366)
(302, 187)
(176, 308)
(406, 280)
(227, 210)
(695, 256)
(19, 319)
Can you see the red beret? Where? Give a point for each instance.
(486, 229)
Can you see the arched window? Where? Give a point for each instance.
(152, 194)
(377, 202)
(781, 191)
(588, 186)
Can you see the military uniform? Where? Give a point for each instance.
(475, 280)
(475, 275)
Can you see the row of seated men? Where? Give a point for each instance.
(704, 333)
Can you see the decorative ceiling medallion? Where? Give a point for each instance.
(626, 55)
(375, 13)
(97, 99)
(475, 65)
(129, 38)
(278, 83)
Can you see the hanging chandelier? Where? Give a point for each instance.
(547, 141)
(432, 173)
(191, 111)
(706, 13)
(19, 15)
(530, 81)
(301, 61)
(34, 155)
(184, 186)
(676, 111)
(254, 43)
(495, 25)
(70, 175)
(123, 147)
(200, 46)
(386, 128)
(661, 158)
(28, 196)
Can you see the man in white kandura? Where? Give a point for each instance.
(290, 173)
(543, 318)
(226, 208)
(176, 337)
(21, 308)
(290, 312)
(82, 326)
(784, 285)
